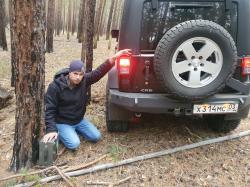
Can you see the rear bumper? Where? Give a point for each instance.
(165, 103)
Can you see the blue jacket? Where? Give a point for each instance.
(65, 106)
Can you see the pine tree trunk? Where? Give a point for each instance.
(64, 23)
(73, 18)
(103, 17)
(55, 18)
(7, 18)
(79, 21)
(3, 40)
(82, 21)
(46, 13)
(50, 28)
(59, 13)
(84, 32)
(69, 19)
(13, 59)
(90, 34)
(28, 31)
(115, 16)
(97, 24)
(117, 25)
(110, 19)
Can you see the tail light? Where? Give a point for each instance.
(246, 66)
(124, 64)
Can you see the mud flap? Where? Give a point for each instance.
(117, 112)
(243, 113)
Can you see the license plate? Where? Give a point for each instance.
(215, 108)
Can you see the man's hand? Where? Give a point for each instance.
(48, 137)
(125, 52)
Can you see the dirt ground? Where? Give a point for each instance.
(221, 164)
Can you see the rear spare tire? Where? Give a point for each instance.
(194, 59)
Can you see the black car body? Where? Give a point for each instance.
(145, 25)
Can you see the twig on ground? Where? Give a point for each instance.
(191, 132)
(123, 180)
(108, 183)
(83, 165)
(61, 163)
(139, 163)
(144, 157)
(32, 184)
(59, 154)
(62, 151)
(11, 133)
(41, 171)
(85, 160)
(1, 145)
(40, 167)
(6, 151)
(63, 167)
(179, 178)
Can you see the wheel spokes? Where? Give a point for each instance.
(194, 78)
(181, 67)
(207, 50)
(188, 50)
(210, 68)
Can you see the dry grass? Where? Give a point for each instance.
(221, 164)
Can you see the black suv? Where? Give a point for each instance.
(188, 57)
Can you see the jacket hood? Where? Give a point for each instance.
(59, 78)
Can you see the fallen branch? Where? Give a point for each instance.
(59, 154)
(6, 151)
(41, 171)
(61, 163)
(32, 184)
(83, 165)
(108, 183)
(62, 151)
(144, 157)
(11, 133)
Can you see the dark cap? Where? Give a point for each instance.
(77, 65)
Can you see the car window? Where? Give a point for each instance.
(155, 23)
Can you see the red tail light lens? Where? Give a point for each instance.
(246, 66)
(124, 64)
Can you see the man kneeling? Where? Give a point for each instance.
(66, 102)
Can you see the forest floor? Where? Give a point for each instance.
(220, 164)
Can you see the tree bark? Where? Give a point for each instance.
(46, 13)
(90, 34)
(102, 18)
(97, 24)
(55, 18)
(3, 41)
(7, 13)
(110, 19)
(73, 18)
(82, 23)
(50, 26)
(69, 19)
(28, 39)
(84, 31)
(117, 24)
(79, 21)
(64, 23)
(13, 60)
(59, 17)
(115, 15)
